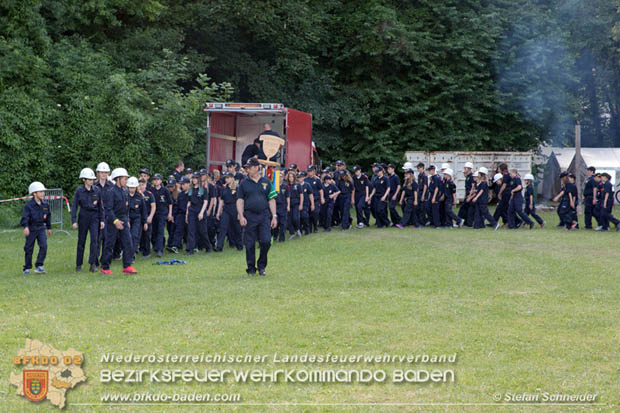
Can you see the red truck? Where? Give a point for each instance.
(233, 126)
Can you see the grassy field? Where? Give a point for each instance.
(525, 312)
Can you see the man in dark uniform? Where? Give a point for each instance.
(163, 212)
(256, 209)
(283, 206)
(381, 191)
(394, 194)
(116, 205)
(504, 196)
(422, 194)
(589, 197)
(146, 175)
(231, 167)
(607, 204)
(102, 183)
(36, 218)
(435, 189)
(178, 171)
(340, 171)
(361, 186)
(253, 151)
(317, 192)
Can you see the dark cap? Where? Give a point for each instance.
(592, 169)
(293, 166)
(563, 174)
(606, 175)
(157, 176)
(230, 162)
(356, 168)
(430, 168)
(184, 180)
(326, 177)
(392, 166)
(572, 176)
(302, 174)
(378, 168)
(257, 140)
(328, 168)
(252, 162)
(171, 182)
(196, 174)
(228, 175)
(409, 171)
(420, 165)
(311, 168)
(325, 171)
(145, 171)
(339, 162)
(204, 172)
(188, 170)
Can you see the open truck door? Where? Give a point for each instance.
(231, 127)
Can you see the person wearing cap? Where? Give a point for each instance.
(198, 204)
(503, 196)
(435, 194)
(137, 215)
(149, 206)
(589, 197)
(394, 193)
(469, 182)
(104, 185)
(381, 190)
(146, 175)
(345, 199)
(232, 168)
(599, 197)
(116, 204)
(530, 207)
(337, 174)
(409, 200)
(296, 199)
(515, 206)
(307, 204)
(422, 195)
(482, 201)
(607, 204)
(331, 195)
(256, 210)
(36, 219)
(227, 214)
(317, 193)
(283, 206)
(87, 199)
(449, 188)
(215, 189)
(177, 172)
(361, 197)
(163, 213)
(174, 187)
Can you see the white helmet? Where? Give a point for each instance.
(35, 187)
(407, 165)
(529, 176)
(87, 173)
(449, 171)
(497, 177)
(118, 172)
(103, 167)
(445, 166)
(132, 182)
(483, 170)
(468, 165)
(476, 174)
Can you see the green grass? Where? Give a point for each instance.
(523, 310)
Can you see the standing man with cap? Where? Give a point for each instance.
(394, 193)
(163, 212)
(146, 175)
(116, 205)
(381, 191)
(607, 204)
(469, 184)
(589, 197)
(340, 170)
(256, 210)
(36, 218)
(361, 186)
(319, 199)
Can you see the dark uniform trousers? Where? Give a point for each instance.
(382, 218)
(532, 212)
(410, 216)
(136, 233)
(304, 217)
(393, 212)
(345, 210)
(88, 221)
(178, 230)
(502, 208)
(566, 213)
(515, 208)
(588, 209)
(482, 213)
(257, 228)
(466, 212)
(294, 219)
(159, 223)
(315, 215)
(112, 234)
(607, 217)
(362, 209)
(197, 231)
(280, 231)
(145, 240)
(39, 234)
(229, 225)
(329, 213)
(435, 213)
(449, 214)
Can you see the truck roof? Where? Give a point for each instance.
(245, 108)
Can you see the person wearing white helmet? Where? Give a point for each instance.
(137, 214)
(87, 199)
(116, 203)
(104, 184)
(36, 218)
(464, 210)
(515, 207)
(530, 208)
(482, 201)
(450, 199)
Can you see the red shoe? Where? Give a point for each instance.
(106, 272)
(129, 270)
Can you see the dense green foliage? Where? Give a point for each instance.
(123, 81)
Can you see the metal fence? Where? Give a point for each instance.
(56, 198)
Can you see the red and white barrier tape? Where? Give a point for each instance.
(47, 197)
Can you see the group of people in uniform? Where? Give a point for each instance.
(126, 216)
